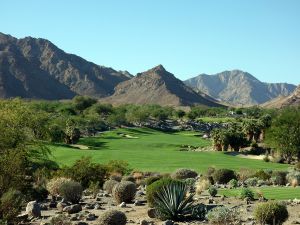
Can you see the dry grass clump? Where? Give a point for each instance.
(202, 185)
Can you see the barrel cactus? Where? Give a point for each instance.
(112, 217)
(109, 185)
(124, 192)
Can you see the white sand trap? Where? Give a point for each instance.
(82, 147)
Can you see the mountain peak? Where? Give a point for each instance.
(158, 68)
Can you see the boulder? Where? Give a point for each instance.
(73, 208)
(151, 213)
(33, 209)
(61, 205)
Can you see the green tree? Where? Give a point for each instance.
(284, 133)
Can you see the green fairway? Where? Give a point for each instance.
(276, 193)
(151, 150)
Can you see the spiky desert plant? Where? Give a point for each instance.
(124, 192)
(112, 217)
(109, 185)
(173, 201)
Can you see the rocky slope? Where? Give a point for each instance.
(280, 102)
(36, 68)
(157, 86)
(239, 88)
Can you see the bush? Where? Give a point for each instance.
(128, 178)
(247, 193)
(54, 185)
(293, 177)
(85, 172)
(153, 188)
(118, 166)
(251, 181)
(39, 193)
(223, 176)
(71, 191)
(279, 178)
(212, 191)
(223, 215)
(124, 192)
(190, 182)
(60, 220)
(271, 213)
(262, 175)
(112, 217)
(11, 205)
(233, 183)
(244, 174)
(202, 185)
(182, 174)
(109, 185)
(152, 179)
(116, 177)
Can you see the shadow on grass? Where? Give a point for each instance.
(63, 145)
(94, 143)
(139, 131)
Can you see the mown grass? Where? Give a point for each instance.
(275, 193)
(151, 150)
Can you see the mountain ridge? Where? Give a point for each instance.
(238, 87)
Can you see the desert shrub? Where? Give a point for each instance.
(233, 183)
(109, 185)
(223, 215)
(60, 220)
(252, 181)
(293, 177)
(202, 185)
(38, 193)
(94, 188)
(54, 185)
(247, 193)
(297, 166)
(11, 205)
(262, 175)
(124, 192)
(118, 166)
(190, 182)
(85, 172)
(261, 183)
(279, 178)
(112, 217)
(153, 188)
(271, 213)
(152, 179)
(223, 176)
(244, 174)
(212, 191)
(128, 178)
(116, 177)
(56, 133)
(71, 191)
(266, 158)
(183, 173)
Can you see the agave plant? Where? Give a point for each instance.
(174, 202)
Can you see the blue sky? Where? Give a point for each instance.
(188, 37)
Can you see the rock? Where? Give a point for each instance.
(97, 206)
(81, 223)
(44, 206)
(91, 217)
(89, 206)
(122, 205)
(72, 209)
(44, 223)
(210, 201)
(296, 222)
(151, 213)
(144, 222)
(23, 216)
(53, 204)
(61, 205)
(33, 209)
(168, 222)
(138, 203)
(140, 193)
(74, 218)
(247, 200)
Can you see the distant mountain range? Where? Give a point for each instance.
(35, 68)
(158, 86)
(281, 101)
(239, 88)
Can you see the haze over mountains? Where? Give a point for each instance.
(36, 68)
(239, 88)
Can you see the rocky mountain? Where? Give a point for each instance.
(157, 86)
(281, 101)
(36, 68)
(239, 88)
